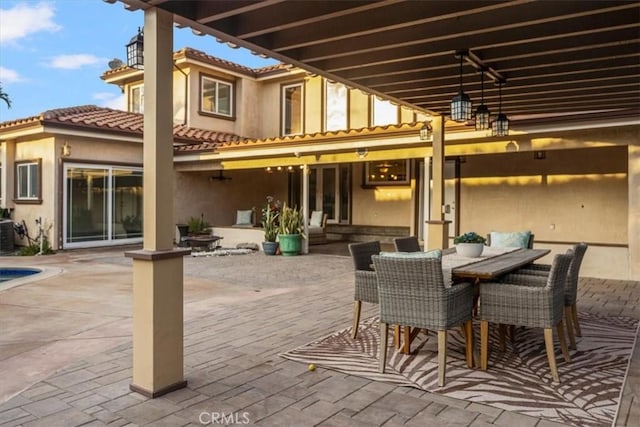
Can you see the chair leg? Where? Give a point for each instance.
(569, 321)
(397, 342)
(468, 327)
(356, 317)
(442, 356)
(484, 344)
(576, 324)
(406, 338)
(548, 342)
(503, 331)
(384, 332)
(563, 342)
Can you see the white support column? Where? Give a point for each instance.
(438, 228)
(158, 267)
(633, 220)
(305, 207)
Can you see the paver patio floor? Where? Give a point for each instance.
(65, 347)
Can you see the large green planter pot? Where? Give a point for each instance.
(290, 244)
(270, 248)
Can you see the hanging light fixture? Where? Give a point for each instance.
(135, 50)
(426, 131)
(500, 126)
(461, 106)
(482, 113)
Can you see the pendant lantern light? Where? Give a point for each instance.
(482, 113)
(461, 106)
(500, 126)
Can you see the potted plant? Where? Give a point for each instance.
(469, 244)
(198, 226)
(290, 232)
(270, 214)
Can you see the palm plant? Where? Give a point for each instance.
(5, 97)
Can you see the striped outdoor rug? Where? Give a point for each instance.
(518, 380)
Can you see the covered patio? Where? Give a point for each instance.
(576, 59)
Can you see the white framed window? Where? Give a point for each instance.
(28, 180)
(216, 96)
(136, 99)
(292, 109)
(335, 96)
(383, 112)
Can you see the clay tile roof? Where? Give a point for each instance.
(272, 68)
(106, 119)
(199, 55)
(361, 132)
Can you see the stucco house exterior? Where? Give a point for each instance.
(242, 134)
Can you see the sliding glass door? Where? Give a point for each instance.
(102, 205)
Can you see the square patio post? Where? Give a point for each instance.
(633, 222)
(158, 267)
(438, 228)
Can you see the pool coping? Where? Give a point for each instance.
(45, 273)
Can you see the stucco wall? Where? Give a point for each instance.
(33, 150)
(313, 108)
(219, 200)
(270, 109)
(390, 205)
(571, 195)
(359, 105)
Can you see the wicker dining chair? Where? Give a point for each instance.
(570, 289)
(412, 293)
(407, 244)
(366, 287)
(522, 304)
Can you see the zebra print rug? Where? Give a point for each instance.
(517, 380)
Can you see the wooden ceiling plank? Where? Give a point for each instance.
(520, 23)
(302, 14)
(384, 19)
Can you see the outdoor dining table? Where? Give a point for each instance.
(493, 263)
(495, 266)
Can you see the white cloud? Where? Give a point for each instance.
(24, 19)
(8, 76)
(73, 62)
(110, 100)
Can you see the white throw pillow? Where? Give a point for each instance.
(243, 217)
(515, 239)
(316, 219)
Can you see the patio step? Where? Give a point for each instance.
(365, 233)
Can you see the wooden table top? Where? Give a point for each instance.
(496, 266)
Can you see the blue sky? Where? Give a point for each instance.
(52, 53)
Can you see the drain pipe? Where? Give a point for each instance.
(40, 234)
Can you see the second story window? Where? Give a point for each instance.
(292, 112)
(136, 99)
(216, 97)
(383, 112)
(28, 180)
(335, 106)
